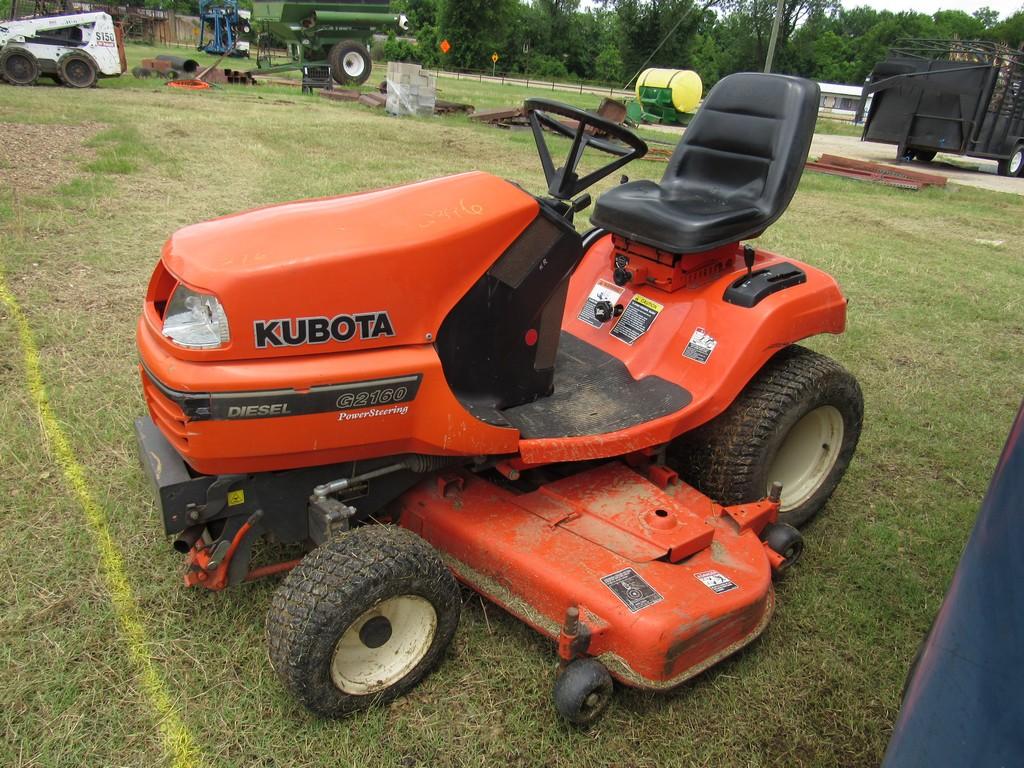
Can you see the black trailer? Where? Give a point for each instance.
(960, 96)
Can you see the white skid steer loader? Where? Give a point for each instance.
(74, 49)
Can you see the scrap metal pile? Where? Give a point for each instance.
(863, 170)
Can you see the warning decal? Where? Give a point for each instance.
(700, 346)
(630, 587)
(602, 291)
(637, 319)
(715, 581)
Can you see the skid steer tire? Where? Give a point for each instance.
(350, 63)
(77, 70)
(18, 66)
(362, 619)
(797, 421)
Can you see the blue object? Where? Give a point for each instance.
(223, 18)
(964, 700)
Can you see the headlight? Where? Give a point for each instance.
(195, 320)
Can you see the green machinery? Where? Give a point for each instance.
(324, 32)
(665, 96)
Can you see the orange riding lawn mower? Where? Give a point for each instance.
(612, 436)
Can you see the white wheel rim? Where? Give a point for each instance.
(353, 64)
(1015, 161)
(807, 456)
(383, 645)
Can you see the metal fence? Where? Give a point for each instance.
(528, 81)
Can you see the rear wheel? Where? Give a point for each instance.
(350, 62)
(362, 619)
(19, 67)
(797, 422)
(77, 71)
(1014, 164)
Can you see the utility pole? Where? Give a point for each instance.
(774, 37)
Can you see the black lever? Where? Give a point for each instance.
(582, 202)
(748, 258)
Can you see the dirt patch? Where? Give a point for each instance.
(36, 158)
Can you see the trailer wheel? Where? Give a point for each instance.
(583, 691)
(77, 71)
(350, 62)
(1014, 164)
(362, 619)
(19, 67)
(797, 422)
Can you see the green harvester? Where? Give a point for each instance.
(324, 32)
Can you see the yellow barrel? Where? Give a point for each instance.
(685, 85)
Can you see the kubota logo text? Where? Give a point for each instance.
(292, 332)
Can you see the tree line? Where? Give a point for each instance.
(610, 40)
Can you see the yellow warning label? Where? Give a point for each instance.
(648, 303)
(236, 497)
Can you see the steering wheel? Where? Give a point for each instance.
(563, 183)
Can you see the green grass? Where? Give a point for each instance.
(832, 127)
(935, 337)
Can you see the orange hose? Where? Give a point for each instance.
(189, 85)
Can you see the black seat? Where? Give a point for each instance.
(734, 172)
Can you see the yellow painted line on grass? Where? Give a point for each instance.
(179, 746)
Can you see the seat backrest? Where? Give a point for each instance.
(747, 143)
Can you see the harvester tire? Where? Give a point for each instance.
(18, 66)
(362, 619)
(77, 70)
(350, 62)
(797, 422)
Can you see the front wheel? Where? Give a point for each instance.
(350, 63)
(583, 691)
(362, 619)
(1014, 164)
(796, 422)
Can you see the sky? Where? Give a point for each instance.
(1004, 7)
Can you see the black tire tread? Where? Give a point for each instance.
(78, 56)
(359, 568)
(11, 51)
(723, 457)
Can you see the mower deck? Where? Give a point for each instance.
(666, 582)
